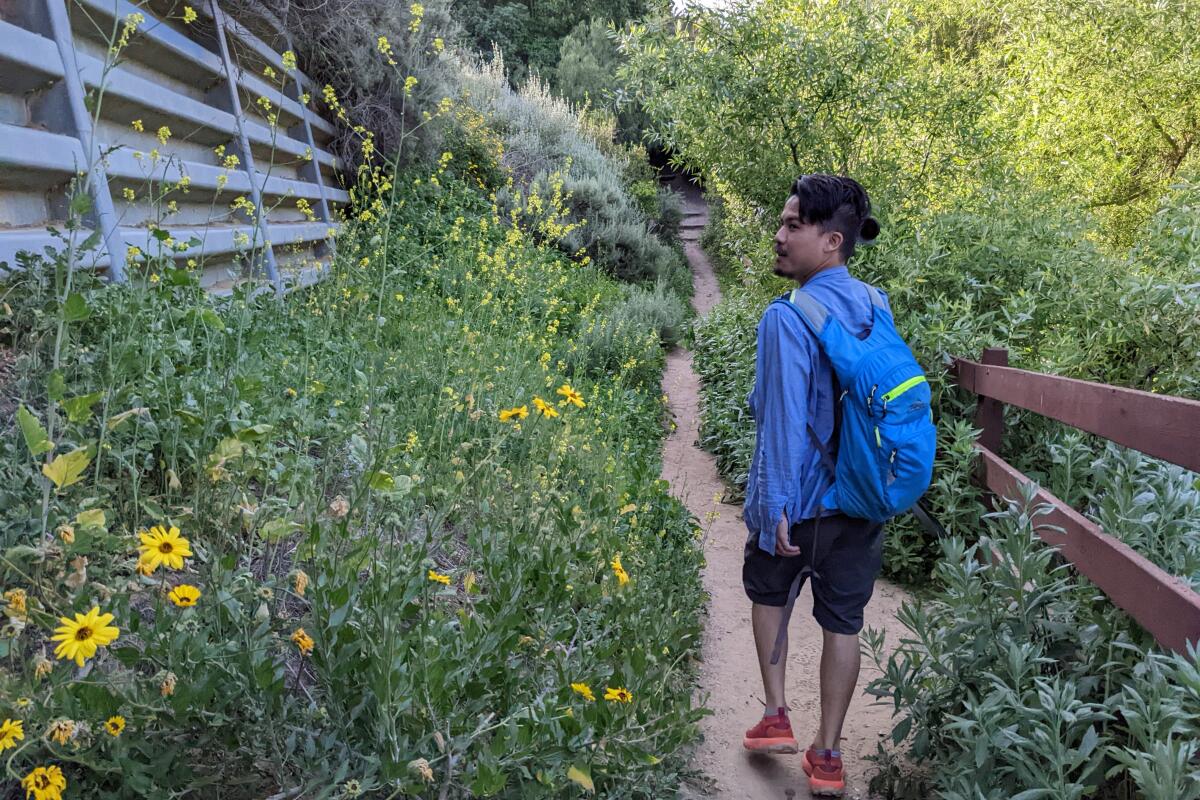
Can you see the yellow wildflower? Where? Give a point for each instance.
(289, 62)
(438, 577)
(114, 725)
(162, 546)
(189, 15)
(164, 133)
(128, 194)
(570, 395)
(302, 641)
(184, 595)
(520, 412)
(78, 639)
(138, 126)
(10, 732)
(544, 407)
(619, 571)
(409, 84)
(44, 783)
(619, 694)
(584, 691)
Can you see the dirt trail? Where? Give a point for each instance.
(729, 674)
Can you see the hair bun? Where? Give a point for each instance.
(869, 229)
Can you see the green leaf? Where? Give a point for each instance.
(80, 408)
(276, 529)
(161, 234)
(67, 468)
(582, 776)
(92, 518)
(81, 204)
(382, 481)
(901, 730)
(119, 419)
(35, 435)
(56, 386)
(76, 308)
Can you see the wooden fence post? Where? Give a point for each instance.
(989, 417)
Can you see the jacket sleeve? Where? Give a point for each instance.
(781, 378)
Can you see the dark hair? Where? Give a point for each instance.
(836, 203)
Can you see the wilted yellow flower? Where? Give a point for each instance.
(163, 546)
(570, 395)
(618, 695)
(585, 691)
(78, 639)
(420, 767)
(17, 601)
(339, 507)
(44, 783)
(301, 582)
(184, 595)
(189, 15)
(11, 731)
(303, 641)
(114, 725)
(167, 687)
(42, 666)
(438, 577)
(61, 730)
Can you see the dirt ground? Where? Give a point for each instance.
(729, 683)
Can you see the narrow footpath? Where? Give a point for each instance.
(729, 681)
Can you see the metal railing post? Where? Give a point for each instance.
(81, 122)
(244, 146)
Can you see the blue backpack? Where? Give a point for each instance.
(887, 439)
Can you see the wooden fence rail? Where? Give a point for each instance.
(1161, 426)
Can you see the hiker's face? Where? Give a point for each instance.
(802, 249)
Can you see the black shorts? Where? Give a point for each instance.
(849, 555)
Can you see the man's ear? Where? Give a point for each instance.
(833, 241)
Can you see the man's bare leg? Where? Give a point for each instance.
(765, 621)
(840, 662)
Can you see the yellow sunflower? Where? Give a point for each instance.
(161, 546)
(570, 395)
(78, 639)
(584, 691)
(618, 695)
(114, 725)
(302, 641)
(10, 733)
(184, 595)
(520, 412)
(44, 783)
(544, 407)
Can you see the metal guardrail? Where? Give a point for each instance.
(202, 80)
(1161, 426)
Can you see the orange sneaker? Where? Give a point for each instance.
(824, 771)
(772, 734)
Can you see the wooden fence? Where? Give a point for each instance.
(240, 126)
(1161, 426)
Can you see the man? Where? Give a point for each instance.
(791, 535)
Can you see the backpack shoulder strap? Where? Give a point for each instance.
(814, 314)
(876, 297)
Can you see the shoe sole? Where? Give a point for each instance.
(778, 744)
(821, 788)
